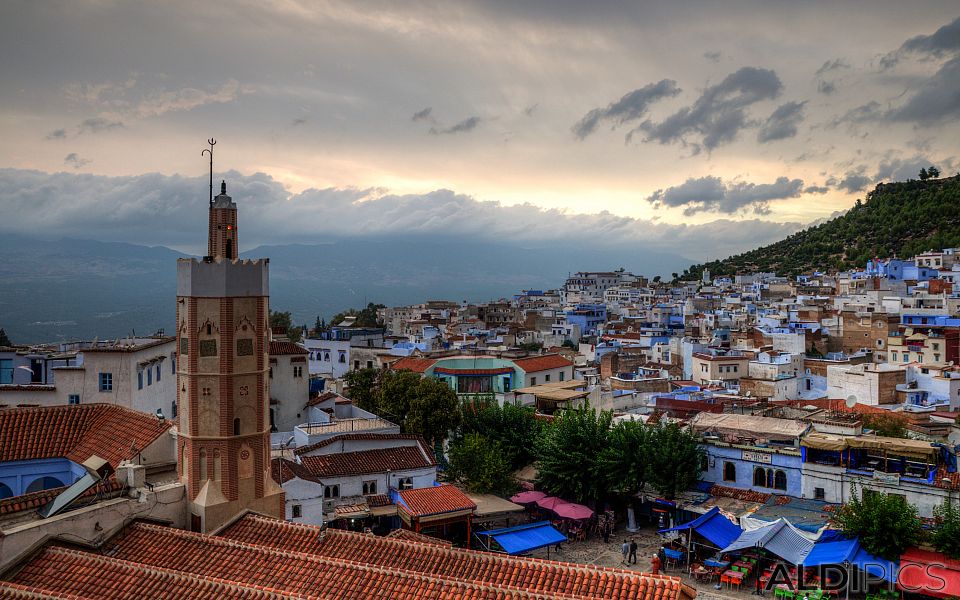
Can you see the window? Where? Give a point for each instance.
(562, 375)
(106, 382)
(271, 372)
(506, 384)
(369, 364)
(729, 471)
(139, 380)
(936, 358)
(298, 371)
(405, 483)
(326, 356)
(369, 487)
(173, 364)
(297, 511)
(149, 377)
(533, 381)
(236, 426)
(173, 409)
(158, 373)
(780, 480)
(547, 378)
(356, 365)
(6, 370)
(819, 493)
(894, 357)
(759, 477)
(73, 399)
(343, 358)
(331, 491)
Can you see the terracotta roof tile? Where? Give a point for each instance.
(421, 502)
(362, 462)
(277, 348)
(76, 432)
(419, 538)
(410, 363)
(357, 436)
(542, 363)
(283, 470)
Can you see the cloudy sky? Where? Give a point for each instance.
(729, 124)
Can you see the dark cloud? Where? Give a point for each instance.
(422, 115)
(826, 87)
(870, 111)
(155, 209)
(298, 121)
(98, 124)
(714, 56)
(631, 107)
(719, 114)
(528, 111)
(936, 101)
(902, 169)
(710, 194)
(468, 124)
(782, 123)
(74, 160)
(853, 181)
(943, 42)
(57, 134)
(832, 65)
(816, 189)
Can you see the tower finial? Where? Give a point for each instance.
(223, 187)
(209, 151)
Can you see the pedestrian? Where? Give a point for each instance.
(625, 550)
(606, 533)
(633, 551)
(655, 564)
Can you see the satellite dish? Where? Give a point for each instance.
(851, 401)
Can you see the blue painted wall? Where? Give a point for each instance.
(18, 475)
(718, 455)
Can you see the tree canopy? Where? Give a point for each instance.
(675, 459)
(885, 523)
(284, 321)
(887, 425)
(4, 340)
(946, 536)
(366, 317)
(568, 454)
(481, 465)
(514, 427)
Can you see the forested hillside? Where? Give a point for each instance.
(897, 219)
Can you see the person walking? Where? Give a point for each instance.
(606, 533)
(625, 551)
(633, 551)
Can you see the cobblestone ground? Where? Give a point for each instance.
(595, 552)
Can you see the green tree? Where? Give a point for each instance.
(624, 460)
(513, 426)
(481, 465)
(365, 317)
(283, 321)
(887, 424)
(318, 326)
(363, 388)
(433, 410)
(885, 523)
(531, 346)
(568, 453)
(946, 536)
(4, 340)
(675, 459)
(933, 172)
(395, 392)
(569, 344)
(924, 175)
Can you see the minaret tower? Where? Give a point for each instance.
(223, 341)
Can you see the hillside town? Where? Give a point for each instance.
(658, 438)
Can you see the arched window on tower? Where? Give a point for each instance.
(236, 426)
(203, 465)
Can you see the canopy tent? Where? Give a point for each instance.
(550, 502)
(897, 446)
(527, 497)
(839, 551)
(573, 511)
(780, 538)
(876, 566)
(524, 538)
(929, 573)
(712, 525)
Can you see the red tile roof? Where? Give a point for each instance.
(357, 436)
(412, 536)
(542, 363)
(77, 432)
(400, 553)
(283, 470)
(410, 363)
(286, 348)
(35, 500)
(422, 502)
(362, 462)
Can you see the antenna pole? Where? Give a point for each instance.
(209, 151)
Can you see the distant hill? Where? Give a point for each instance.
(897, 219)
(77, 289)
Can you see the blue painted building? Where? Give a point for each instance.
(19, 477)
(589, 317)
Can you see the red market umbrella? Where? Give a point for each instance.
(527, 497)
(573, 511)
(550, 503)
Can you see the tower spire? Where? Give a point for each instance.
(209, 151)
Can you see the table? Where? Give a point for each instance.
(731, 577)
(720, 564)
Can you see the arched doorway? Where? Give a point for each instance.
(43, 483)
